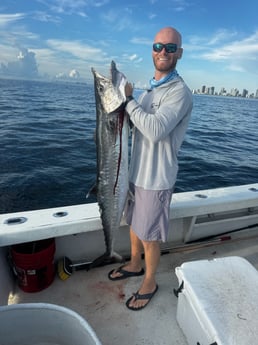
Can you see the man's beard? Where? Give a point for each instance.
(167, 69)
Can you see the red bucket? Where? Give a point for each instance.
(34, 264)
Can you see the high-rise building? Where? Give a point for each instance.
(223, 91)
(244, 93)
(234, 92)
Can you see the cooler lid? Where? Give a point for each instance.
(224, 294)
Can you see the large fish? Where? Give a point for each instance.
(112, 155)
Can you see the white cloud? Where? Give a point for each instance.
(119, 19)
(222, 35)
(77, 49)
(13, 33)
(235, 68)
(246, 48)
(74, 74)
(7, 53)
(141, 40)
(16, 59)
(133, 57)
(24, 66)
(6, 19)
(239, 55)
(180, 5)
(46, 17)
(99, 3)
(139, 60)
(68, 7)
(50, 62)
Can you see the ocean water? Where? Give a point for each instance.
(47, 148)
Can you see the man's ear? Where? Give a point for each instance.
(179, 53)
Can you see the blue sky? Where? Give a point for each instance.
(220, 39)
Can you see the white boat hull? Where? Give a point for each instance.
(78, 234)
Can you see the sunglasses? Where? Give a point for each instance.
(169, 47)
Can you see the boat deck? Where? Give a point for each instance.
(102, 302)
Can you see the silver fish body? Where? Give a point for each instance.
(112, 131)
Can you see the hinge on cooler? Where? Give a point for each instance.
(180, 288)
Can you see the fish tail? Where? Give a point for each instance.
(106, 259)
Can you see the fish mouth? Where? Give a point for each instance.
(98, 76)
(113, 72)
(117, 77)
(110, 91)
(118, 80)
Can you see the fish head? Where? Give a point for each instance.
(110, 92)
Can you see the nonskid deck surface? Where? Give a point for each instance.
(102, 302)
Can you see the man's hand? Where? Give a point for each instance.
(128, 89)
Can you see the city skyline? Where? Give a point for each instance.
(73, 76)
(234, 92)
(65, 38)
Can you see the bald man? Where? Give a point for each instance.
(160, 119)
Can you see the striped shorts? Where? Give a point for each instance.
(147, 211)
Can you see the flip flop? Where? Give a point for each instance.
(137, 296)
(124, 274)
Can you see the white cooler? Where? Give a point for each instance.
(218, 301)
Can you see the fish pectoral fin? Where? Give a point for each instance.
(107, 259)
(92, 191)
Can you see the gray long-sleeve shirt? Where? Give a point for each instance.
(160, 121)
